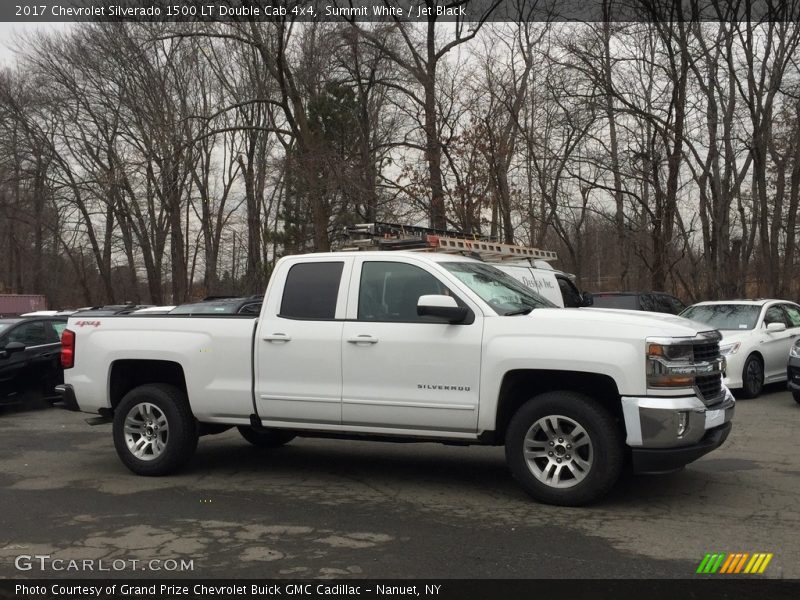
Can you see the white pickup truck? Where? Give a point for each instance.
(404, 345)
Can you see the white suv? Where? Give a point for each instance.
(756, 338)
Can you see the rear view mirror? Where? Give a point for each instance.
(776, 327)
(587, 299)
(443, 307)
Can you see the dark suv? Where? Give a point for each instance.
(649, 301)
(30, 351)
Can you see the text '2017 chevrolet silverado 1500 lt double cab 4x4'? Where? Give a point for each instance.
(410, 346)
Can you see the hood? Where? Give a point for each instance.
(729, 336)
(635, 322)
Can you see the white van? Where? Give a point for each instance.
(556, 286)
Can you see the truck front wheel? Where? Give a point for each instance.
(564, 449)
(155, 432)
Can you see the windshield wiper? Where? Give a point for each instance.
(521, 311)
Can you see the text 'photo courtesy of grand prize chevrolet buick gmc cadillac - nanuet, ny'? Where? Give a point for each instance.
(422, 346)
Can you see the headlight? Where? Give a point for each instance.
(671, 352)
(795, 351)
(670, 365)
(729, 349)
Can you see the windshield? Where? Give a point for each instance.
(4, 326)
(503, 293)
(724, 316)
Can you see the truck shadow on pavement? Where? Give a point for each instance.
(469, 476)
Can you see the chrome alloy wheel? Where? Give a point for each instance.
(558, 451)
(146, 431)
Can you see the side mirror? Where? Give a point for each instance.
(776, 327)
(587, 299)
(443, 307)
(11, 348)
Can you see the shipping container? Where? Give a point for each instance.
(17, 304)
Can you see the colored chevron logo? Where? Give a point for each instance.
(734, 563)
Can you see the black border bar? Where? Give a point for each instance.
(700, 587)
(44, 11)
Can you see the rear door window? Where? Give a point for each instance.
(30, 334)
(311, 290)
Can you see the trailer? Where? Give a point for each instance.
(17, 304)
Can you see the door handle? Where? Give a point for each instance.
(277, 337)
(362, 339)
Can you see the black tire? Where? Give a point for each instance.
(796, 396)
(605, 453)
(752, 377)
(177, 444)
(267, 438)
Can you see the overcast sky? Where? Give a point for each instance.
(9, 31)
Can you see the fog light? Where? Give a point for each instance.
(683, 419)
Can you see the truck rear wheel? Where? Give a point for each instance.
(564, 449)
(266, 438)
(155, 432)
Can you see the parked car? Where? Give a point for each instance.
(648, 301)
(30, 356)
(110, 310)
(221, 306)
(53, 313)
(756, 338)
(793, 371)
(153, 310)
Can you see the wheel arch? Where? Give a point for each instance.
(521, 385)
(126, 375)
(757, 354)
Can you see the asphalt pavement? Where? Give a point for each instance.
(330, 508)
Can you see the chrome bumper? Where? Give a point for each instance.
(653, 422)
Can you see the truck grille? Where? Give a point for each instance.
(709, 386)
(706, 352)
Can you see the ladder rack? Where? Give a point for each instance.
(390, 236)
